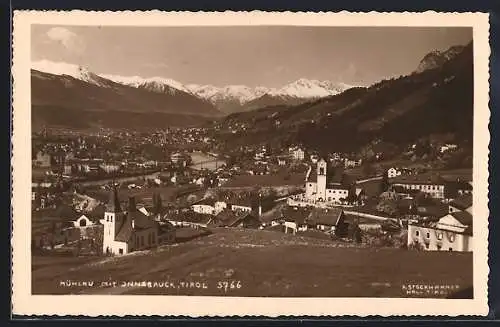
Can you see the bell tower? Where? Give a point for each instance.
(321, 180)
(113, 219)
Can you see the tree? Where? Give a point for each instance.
(368, 170)
(384, 183)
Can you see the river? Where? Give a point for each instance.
(205, 161)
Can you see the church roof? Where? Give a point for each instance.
(140, 222)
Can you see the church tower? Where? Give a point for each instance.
(321, 180)
(113, 219)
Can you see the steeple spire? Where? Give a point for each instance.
(113, 204)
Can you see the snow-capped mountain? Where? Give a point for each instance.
(237, 97)
(155, 84)
(307, 89)
(230, 98)
(437, 58)
(65, 69)
(239, 93)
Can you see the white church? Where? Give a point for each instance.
(130, 230)
(323, 186)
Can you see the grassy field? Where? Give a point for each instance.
(266, 180)
(256, 263)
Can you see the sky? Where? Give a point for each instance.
(269, 56)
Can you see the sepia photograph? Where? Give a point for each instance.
(252, 160)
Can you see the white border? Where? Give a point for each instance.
(26, 304)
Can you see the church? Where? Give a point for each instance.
(131, 230)
(326, 186)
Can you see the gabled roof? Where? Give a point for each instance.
(330, 216)
(463, 202)
(206, 201)
(431, 179)
(140, 220)
(296, 214)
(463, 217)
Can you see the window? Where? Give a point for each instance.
(417, 233)
(428, 235)
(440, 236)
(426, 245)
(450, 249)
(120, 251)
(142, 240)
(310, 185)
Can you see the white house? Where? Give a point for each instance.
(204, 206)
(220, 206)
(452, 232)
(297, 153)
(393, 172)
(83, 221)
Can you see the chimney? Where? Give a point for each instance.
(131, 204)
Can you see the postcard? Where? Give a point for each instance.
(250, 163)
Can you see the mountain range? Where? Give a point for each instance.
(71, 95)
(435, 99)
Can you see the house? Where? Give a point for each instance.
(448, 148)
(219, 206)
(204, 206)
(393, 172)
(426, 183)
(456, 187)
(452, 232)
(128, 230)
(42, 160)
(228, 218)
(330, 219)
(297, 153)
(295, 219)
(281, 161)
(110, 167)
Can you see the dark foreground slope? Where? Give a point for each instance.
(259, 263)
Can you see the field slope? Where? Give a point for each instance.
(257, 263)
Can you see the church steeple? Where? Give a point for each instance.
(113, 204)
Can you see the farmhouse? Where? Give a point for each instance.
(228, 218)
(426, 183)
(295, 219)
(331, 219)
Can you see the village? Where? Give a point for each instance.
(113, 193)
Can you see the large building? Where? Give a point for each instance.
(433, 185)
(452, 232)
(324, 186)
